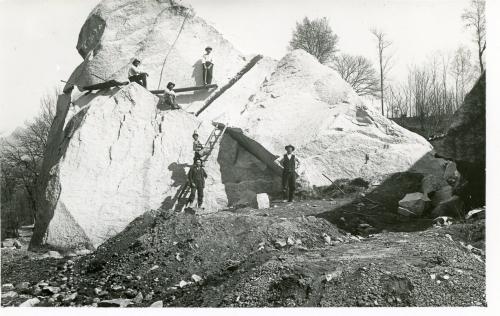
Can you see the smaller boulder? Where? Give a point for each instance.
(157, 304)
(450, 207)
(443, 221)
(23, 287)
(70, 297)
(7, 287)
(262, 201)
(32, 302)
(414, 204)
(474, 214)
(131, 293)
(196, 278)
(52, 254)
(50, 290)
(431, 183)
(451, 171)
(138, 298)
(82, 252)
(10, 294)
(326, 238)
(405, 212)
(443, 194)
(18, 244)
(8, 243)
(280, 243)
(118, 302)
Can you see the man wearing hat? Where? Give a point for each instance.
(198, 147)
(170, 96)
(208, 66)
(289, 163)
(135, 75)
(196, 178)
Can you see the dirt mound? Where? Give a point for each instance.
(282, 256)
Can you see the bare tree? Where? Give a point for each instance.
(461, 73)
(315, 37)
(359, 72)
(22, 154)
(474, 17)
(384, 60)
(426, 99)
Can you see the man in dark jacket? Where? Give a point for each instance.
(196, 178)
(290, 163)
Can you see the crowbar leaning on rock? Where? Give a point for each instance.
(333, 183)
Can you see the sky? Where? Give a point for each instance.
(38, 49)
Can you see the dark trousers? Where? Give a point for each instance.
(199, 189)
(288, 183)
(207, 74)
(140, 79)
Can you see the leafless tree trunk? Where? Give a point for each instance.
(383, 59)
(475, 18)
(22, 155)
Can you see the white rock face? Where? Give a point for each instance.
(229, 106)
(124, 158)
(308, 105)
(117, 31)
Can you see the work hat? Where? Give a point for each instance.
(195, 133)
(290, 146)
(208, 48)
(170, 84)
(135, 60)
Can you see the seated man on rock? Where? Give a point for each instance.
(169, 96)
(135, 75)
(196, 178)
(289, 163)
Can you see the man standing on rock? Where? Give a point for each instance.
(208, 66)
(170, 96)
(289, 163)
(196, 178)
(135, 75)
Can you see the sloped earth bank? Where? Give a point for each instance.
(282, 256)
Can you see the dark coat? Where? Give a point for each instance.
(196, 177)
(288, 164)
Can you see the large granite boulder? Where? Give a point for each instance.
(117, 31)
(310, 106)
(465, 143)
(120, 157)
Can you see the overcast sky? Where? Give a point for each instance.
(39, 36)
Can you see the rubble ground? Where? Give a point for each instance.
(282, 256)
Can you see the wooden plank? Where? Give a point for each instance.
(186, 89)
(105, 85)
(231, 82)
